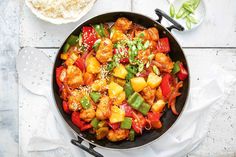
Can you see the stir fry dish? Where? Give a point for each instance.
(117, 80)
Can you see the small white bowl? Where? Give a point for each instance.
(59, 21)
(199, 13)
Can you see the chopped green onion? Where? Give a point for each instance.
(73, 40)
(141, 35)
(192, 19)
(132, 69)
(102, 123)
(139, 46)
(133, 48)
(140, 67)
(185, 14)
(151, 56)
(80, 39)
(172, 10)
(186, 10)
(188, 7)
(110, 66)
(188, 23)
(116, 59)
(100, 29)
(112, 32)
(196, 3)
(180, 13)
(96, 44)
(148, 64)
(146, 45)
(129, 76)
(156, 70)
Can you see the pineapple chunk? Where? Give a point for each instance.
(93, 66)
(117, 115)
(120, 71)
(114, 90)
(158, 106)
(138, 83)
(71, 59)
(99, 85)
(119, 99)
(64, 56)
(119, 81)
(153, 80)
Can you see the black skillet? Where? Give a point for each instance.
(167, 119)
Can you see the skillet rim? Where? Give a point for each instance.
(178, 116)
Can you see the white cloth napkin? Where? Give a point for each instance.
(186, 134)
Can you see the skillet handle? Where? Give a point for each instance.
(175, 25)
(90, 150)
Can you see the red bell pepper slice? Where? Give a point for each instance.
(138, 123)
(89, 37)
(128, 110)
(58, 74)
(154, 118)
(66, 107)
(114, 126)
(80, 63)
(86, 127)
(75, 117)
(182, 74)
(163, 45)
(124, 60)
(82, 125)
(166, 85)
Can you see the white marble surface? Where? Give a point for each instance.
(214, 41)
(9, 46)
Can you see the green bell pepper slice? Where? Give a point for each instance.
(131, 135)
(126, 123)
(135, 100)
(99, 28)
(128, 89)
(110, 66)
(176, 68)
(144, 108)
(85, 102)
(95, 123)
(95, 96)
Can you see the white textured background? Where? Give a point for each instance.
(9, 46)
(214, 41)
